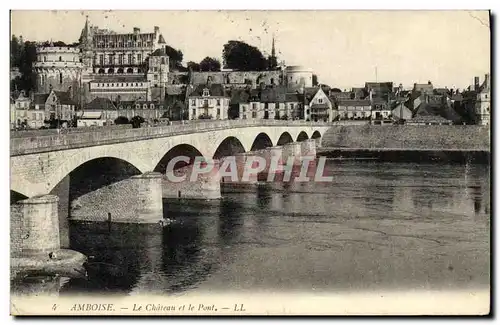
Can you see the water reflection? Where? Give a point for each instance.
(376, 225)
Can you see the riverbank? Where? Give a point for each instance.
(408, 155)
(408, 137)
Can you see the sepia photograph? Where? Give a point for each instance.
(250, 162)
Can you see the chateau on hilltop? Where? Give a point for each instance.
(106, 65)
(134, 67)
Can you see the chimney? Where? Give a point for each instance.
(137, 30)
(157, 30)
(476, 83)
(429, 82)
(487, 80)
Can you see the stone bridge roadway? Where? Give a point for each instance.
(44, 166)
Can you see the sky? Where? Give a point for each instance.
(344, 48)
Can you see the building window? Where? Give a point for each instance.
(110, 59)
(120, 59)
(101, 59)
(60, 78)
(139, 58)
(254, 106)
(206, 92)
(205, 102)
(163, 61)
(60, 58)
(193, 102)
(130, 59)
(152, 106)
(156, 77)
(254, 114)
(44, 59)
(320, 100)
(137, 106)
(218, 102)
(42, 80)
(139, 44)
(194, 112)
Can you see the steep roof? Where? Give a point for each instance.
(100, 103)
(293, 97)
(239, 96)
(216, 90)
(40, 99)
(273, 95)
(161, 40)
(309, 93)
(64, 98)
(443, 110)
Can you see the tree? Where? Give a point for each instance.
(15, 52)
(314, 80)
(122, 120)
(209, 64)
(175, 57)
(241, 56)
(136, 121)
(27, 56)
(193, 66)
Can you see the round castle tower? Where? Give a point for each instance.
(58, 68)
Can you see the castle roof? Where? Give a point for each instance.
(100, 103)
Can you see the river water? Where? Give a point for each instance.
(377, 226)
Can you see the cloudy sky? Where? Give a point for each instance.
(344, 48)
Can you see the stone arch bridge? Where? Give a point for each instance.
(48, 168)
(39, 163)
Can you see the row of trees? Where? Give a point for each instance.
(22, 56)
(239, 56)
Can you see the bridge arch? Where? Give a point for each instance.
(85, 155)
(229, 147)
(96, 173)
(302, 136)
(284, 138)
(316, 134)
(183, 149)
(262, 141)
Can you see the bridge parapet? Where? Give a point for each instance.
(50, 142)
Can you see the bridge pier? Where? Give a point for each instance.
(35, 241)
(240, 164)
(294, 150)
(137, 199)
(203, 186)
(308, 147)
(274, 161)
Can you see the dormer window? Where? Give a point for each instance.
(206, 92)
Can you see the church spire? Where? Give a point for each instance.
(273, 62)
(273, 50)
(85, 36)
